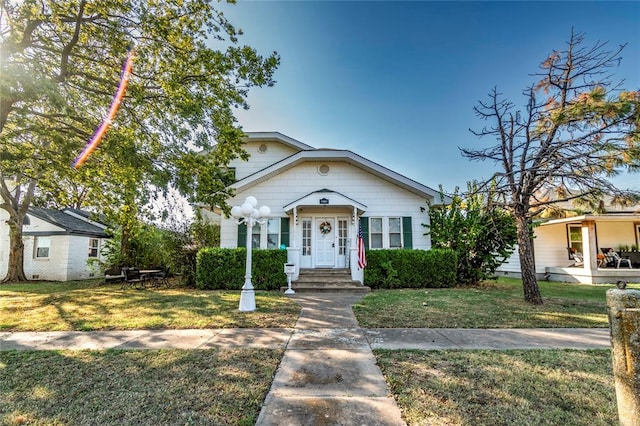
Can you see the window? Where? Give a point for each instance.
(273, 233)
(42, 245)
(395, 232)
(306, 237)
(574, 233)
(94, 246)
(255, 236)
(342, 237)
(375, 232)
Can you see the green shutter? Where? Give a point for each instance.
(284, 231)
(364, 226)
(407, 233)
(242, 235)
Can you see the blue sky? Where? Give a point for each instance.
(396, 82)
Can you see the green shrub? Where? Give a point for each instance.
(434, 268)
(224, 269)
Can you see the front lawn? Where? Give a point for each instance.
(493, 305)
(86, 305)
(532, 387)
(168, 387)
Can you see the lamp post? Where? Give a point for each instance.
(249, 215)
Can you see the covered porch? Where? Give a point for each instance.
(324, 226)
(591, 236)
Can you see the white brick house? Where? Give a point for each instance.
(307, 187)
(57, 244)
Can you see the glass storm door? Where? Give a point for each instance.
(325, 242)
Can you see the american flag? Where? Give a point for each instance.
(362, 259)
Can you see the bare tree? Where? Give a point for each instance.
(578, 129)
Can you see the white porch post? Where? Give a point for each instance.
(589, 246)
(294, 234)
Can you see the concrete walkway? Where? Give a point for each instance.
(328, 374)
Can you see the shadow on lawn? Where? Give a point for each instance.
(135, 387)
(111, 308)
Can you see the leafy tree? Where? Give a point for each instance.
(481, 233)
(577, 130)
(61, 63)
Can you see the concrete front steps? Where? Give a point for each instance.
(321, 280)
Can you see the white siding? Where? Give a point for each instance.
(614, 234)
(275, 152)
(381, 197)
(68, 254)
(78, 269)
(551, 244)
(53, 268)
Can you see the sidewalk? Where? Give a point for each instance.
(328, 374)
(377, 338)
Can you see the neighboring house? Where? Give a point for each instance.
(618, 228)
(319, 198)
(57, 244)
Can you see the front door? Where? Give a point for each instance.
(325, 242)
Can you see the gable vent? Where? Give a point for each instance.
(262, 148)
(323, 169)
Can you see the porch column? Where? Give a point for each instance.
(294, 233)
(589, 246)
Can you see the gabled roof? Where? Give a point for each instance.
(338, 155)
(332, 198)
(269, 136)
(71, 224)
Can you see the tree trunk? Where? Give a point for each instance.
(527, 264)
(15, 271)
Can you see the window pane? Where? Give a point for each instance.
(306, 237)
(376, 241)
(376, 225)
(273, 226)
(394, 224)
(575, 233)
(395, 241)
(255, 237)
(94, 244)
(273, 233)
(42, 246)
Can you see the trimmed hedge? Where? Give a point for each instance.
(224, 269)
(435, 268)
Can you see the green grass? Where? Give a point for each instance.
(169, 387)
(493, 305)
(533, 387)
(85, 305)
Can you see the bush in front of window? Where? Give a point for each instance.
(436, 268)
(224, 269)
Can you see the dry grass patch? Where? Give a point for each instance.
(168, 387)
(87, 306)
(535, 387)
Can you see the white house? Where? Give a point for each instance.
(318, 199)
(590, 234)
(57, 244)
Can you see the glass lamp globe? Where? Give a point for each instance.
(251, 200)
(236, 212)
(246, 209)
(265, 211)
